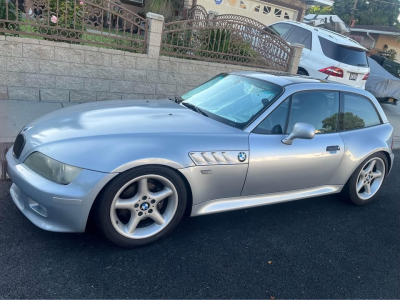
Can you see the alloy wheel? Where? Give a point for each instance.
(370, 178)
(144, 206)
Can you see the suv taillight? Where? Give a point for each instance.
(366, 76)
(332, 71)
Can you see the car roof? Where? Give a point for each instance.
(327, 34)
(282, 79)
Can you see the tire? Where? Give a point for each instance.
(356, 189)
(302, 72)
(126, 204)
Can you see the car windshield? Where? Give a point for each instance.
(344, 54)
(232, 99)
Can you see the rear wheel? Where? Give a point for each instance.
(367, 179)
(141, 205)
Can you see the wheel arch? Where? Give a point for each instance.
(189, 199)
(301, 69)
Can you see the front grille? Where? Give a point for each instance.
(19, 145)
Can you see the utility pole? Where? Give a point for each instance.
(352, 12)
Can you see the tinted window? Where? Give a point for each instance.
(281, 28)
(276, 121)
(300, 36)
(358, 112)
(232, 99)
(319, 109)
(344, 54)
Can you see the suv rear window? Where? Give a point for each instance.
(344, 54)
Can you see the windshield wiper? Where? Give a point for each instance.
(194, 108)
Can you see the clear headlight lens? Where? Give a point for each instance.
(51, 169)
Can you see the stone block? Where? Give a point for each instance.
(135, 75)
(120, 86)
(144, 88)
(12, 79)
(101, 96)
(82, 70)
(54, 95)
(23, 93)
(38, 51)
(82, 96)
(54, 67)
(97, 58)
(22, 40)
(110, 73)
(70, 55)
(183, 89)
(152, 76)
(8, 48)
(154, 39)
(40, 80)
(133, 96)
(84, 47)
(165, 89)
(69, 83)
(112, 51)
(95, 84)
(122, 61)
(168, 66)
(147, 64)
(23, 65)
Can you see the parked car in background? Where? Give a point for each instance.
(240, 140)
(383, 85)
(389, 65)
(326, 54)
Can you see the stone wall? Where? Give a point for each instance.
(40, 70)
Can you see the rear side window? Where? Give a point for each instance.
(320, 109)
(357, 112)
(343, 54)
(282, 28)
(301, 36)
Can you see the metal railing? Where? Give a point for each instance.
(228, 40)
(98, 22)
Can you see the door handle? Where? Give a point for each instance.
(332, 148)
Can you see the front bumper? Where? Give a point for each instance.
(52, 206)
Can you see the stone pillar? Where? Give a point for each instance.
(212, 14)
(294, 60)
(154, 34)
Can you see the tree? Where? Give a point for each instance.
(319, 10)
(369, 12)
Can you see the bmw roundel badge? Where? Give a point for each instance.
(242, 156)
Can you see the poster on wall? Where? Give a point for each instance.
(232, 3)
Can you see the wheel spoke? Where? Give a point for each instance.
(132, 224)
(360, 184)
(124, 203)
(143, 188)
(377, 174)
(161, 195)
(157, 217)
(371, 166)
(367, 188)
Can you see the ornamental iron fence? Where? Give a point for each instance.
(228, 39)
(97, 22)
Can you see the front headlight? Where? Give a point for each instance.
(51, 169)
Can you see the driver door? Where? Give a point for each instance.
(277, 167)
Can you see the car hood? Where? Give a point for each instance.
(82, 135)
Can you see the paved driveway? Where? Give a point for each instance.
(316, 248)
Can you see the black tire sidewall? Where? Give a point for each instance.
(351, 189)
(103, 205)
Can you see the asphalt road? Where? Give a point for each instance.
(315, 248)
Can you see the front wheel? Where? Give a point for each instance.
(367, 179)
(141, 205)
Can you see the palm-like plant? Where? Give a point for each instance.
(165, 7)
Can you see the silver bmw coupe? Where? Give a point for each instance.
(240, 140)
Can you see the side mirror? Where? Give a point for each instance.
(300, 131)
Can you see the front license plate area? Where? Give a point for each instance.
(353, 76)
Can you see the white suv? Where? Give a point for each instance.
(326, 54)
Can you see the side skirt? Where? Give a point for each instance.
(228, 204)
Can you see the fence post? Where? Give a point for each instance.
(294, 59)
(154, 34)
